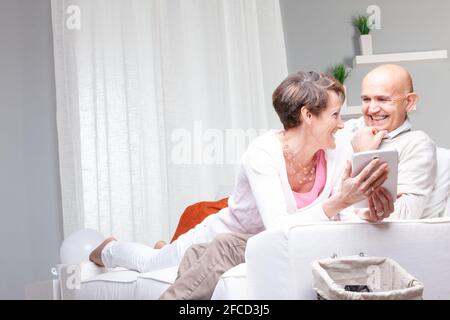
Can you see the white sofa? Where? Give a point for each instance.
(278, 261)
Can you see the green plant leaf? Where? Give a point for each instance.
(361, 23)
(340, 72)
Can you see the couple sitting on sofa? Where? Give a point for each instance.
(301, 174)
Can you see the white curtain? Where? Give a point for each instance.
(153, 100)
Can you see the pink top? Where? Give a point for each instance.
(304, 199)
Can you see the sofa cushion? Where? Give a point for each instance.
(194, 214)
(437, 203)
(232, 285)
(151, 285)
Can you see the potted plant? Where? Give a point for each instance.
(365, 39)
(340, 72)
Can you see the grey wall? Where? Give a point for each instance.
(30, 205)
(319, 34)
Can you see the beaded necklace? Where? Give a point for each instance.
(302, 174)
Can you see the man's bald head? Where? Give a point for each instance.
(393, 74)
(387, 96)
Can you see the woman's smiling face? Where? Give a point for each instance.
(328, 122)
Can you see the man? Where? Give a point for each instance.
(387, 97)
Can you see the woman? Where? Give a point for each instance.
(281, 172)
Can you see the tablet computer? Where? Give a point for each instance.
(361, 159)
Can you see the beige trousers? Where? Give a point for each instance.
(203, 265)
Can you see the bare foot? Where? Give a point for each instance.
(96, 254)
(159, 244)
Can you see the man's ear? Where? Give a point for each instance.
(411, 100)
(306, 115)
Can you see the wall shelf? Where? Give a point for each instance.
(397, 57)
(351, 112)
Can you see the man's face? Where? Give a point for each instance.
(383, 103)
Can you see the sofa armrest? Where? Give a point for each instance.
(71, 276)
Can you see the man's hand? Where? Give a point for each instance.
(381, 205)
(367, 138)
(366, 214)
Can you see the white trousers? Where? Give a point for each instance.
(143, 258)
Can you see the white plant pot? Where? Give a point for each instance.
(365, 42)
(345, 101)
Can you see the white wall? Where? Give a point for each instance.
(319, 34)
(30, 205)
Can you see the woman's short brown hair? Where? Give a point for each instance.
(303, 89)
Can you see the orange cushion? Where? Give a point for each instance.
(194, 214)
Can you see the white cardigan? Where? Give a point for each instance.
(262, 197)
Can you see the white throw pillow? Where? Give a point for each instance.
(436, 206)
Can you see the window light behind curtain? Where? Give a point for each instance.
(130, 75)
